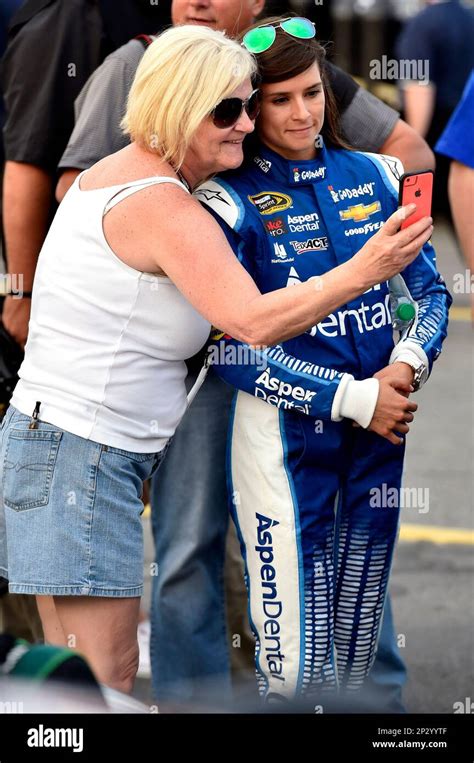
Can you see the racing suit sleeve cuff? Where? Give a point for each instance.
(336, 414)
(406, 352)
(358, 401)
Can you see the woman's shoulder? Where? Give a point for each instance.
(121, 168)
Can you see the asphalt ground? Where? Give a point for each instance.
(432, 583)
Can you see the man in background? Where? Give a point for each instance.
(438, 42)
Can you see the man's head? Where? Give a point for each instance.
(231, 16)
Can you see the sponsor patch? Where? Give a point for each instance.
(364, 318)
(281, 254)
(367, 189)
(276, 227)
(304, 175)
(363, 229)
(217, 334)
(360, 212)
(303, 223)
(264, 164)
(268, 384)
(310, 245)
(270, 202)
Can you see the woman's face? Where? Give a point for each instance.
(215, 149)
(292, 115)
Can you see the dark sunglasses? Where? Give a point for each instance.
(229, 111)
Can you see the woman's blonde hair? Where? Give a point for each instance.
(182, 76)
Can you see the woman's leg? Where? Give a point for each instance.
(52, 628)
(104, 631)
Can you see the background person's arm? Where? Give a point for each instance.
(25, 227)
(39, 118)
(419, 102)
(461, 199)
(370, 125)
(65, 182)
(407, 145)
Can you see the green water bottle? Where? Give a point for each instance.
(402, 304)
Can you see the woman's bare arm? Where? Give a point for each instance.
(171, 231)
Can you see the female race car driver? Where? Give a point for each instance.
(300, 205)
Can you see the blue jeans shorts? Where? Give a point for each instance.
(70, 519)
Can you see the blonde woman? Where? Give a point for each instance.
(130, 277)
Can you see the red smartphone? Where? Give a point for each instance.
(416, 188)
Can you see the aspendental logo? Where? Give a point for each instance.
(48, 737)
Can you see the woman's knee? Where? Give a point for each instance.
(105, 632)
(120, 672)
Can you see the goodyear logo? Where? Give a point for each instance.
(269, 202)
(359, 212)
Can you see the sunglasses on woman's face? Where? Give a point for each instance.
(229, 111)
(261, 38)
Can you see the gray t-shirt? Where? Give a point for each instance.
(100, 107)
(366, 121)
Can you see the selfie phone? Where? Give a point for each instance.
(416, 188)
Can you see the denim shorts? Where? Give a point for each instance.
(70, 519)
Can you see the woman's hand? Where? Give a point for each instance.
(390, 250)
(393, 410)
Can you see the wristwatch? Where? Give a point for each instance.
(419, 370)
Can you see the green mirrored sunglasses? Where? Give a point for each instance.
(261, 38)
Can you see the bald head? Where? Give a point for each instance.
(231, 16)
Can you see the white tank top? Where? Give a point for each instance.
(107, 343)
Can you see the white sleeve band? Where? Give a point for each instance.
(336, 414)
(411, 353)
(359, 400)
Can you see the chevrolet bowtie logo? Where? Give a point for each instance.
(359, 212)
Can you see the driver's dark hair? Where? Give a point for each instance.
(290, 56)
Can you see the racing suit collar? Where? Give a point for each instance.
(290, 172)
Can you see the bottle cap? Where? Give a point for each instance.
(406, 311)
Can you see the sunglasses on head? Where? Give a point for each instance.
(261, 38)
(229, 110)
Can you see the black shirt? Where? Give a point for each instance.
(343, 86)
(53, 48)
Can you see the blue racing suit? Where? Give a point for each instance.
(294, 463)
